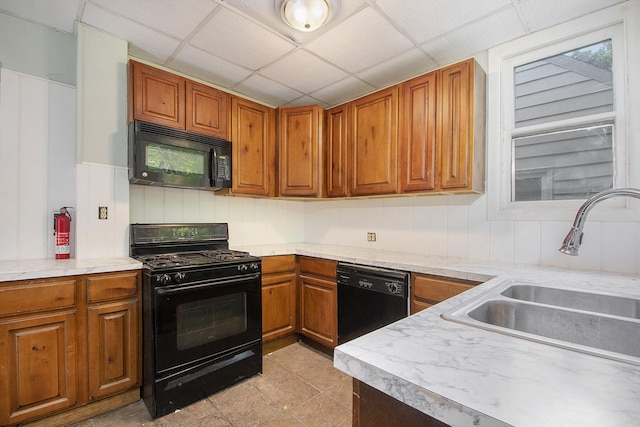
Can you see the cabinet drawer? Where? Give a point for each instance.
(37, 295)
(317, 266)
(276, 264)
(112, 286)
(438, 289)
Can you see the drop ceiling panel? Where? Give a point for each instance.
(342, 91)
(363, 40)
(303, 71)
(306, 100)
(402, 67)
(59, 14)
(268, 91)
(268, 12)
(539, 14)
(482, 34)
(244, 46)
(150, 44)
(448, 48)
(421, 20)
(176, 18)
(240, 40)
(202, 65)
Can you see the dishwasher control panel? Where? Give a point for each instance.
(391, 282)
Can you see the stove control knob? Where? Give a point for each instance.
(254, 266)
(179, 277)
(164, 279)
(243, 267)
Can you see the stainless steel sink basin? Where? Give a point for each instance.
(603, 325)
(588, 301)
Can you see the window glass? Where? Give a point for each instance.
(562, 165)
(552, 160)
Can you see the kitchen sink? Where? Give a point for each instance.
(604, 325)
(589, 301)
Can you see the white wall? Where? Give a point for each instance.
(457, 226)
(37, 50)
(251, 221)
(102, 145)
(37, 152)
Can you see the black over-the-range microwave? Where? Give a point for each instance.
(159, 155)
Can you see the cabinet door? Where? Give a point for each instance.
(207, 110)
(319, 310)
(158, 96)
(113, 348)
(300, 151)
(429, 290)
(418, 143)
(374, 144)
(37, 366)
(278, 305)
(253, 137)
(337, 127)
(455, 133)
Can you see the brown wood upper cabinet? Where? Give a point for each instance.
(443, 120)
(373, 144)
(461, 127)
(336, 163)
(254, 152)
(301, 151)
(167, 99)
(418, 135)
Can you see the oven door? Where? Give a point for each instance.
(197, 321)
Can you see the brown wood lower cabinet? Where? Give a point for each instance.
(113, 348)
(428, 290)
(318, 300)
(373, 408)
(37, 366)
(278, 297)
(67, 342)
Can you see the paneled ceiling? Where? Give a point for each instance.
(244, 46)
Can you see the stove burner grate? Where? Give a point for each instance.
(226, 255)
(193, 258)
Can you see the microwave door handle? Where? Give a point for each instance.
(213, 170)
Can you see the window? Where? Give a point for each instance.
(556, 122)
(550, 160)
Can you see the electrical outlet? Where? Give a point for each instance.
(103, 212)
(371, 237)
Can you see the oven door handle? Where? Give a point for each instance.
(179, 289)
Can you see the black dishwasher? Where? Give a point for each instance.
(369, 298)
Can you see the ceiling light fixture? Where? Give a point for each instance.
(306, 15)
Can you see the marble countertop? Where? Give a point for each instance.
(43, 268)
(466, 376)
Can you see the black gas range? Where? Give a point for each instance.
(202, 315)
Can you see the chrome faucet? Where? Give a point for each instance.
(572, 242)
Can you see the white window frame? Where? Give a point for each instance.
(606, 24)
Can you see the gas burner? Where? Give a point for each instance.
(226, 255)
(164, 261)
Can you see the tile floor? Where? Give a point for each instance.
(298, 387)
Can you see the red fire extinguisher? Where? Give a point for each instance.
(62, 227)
